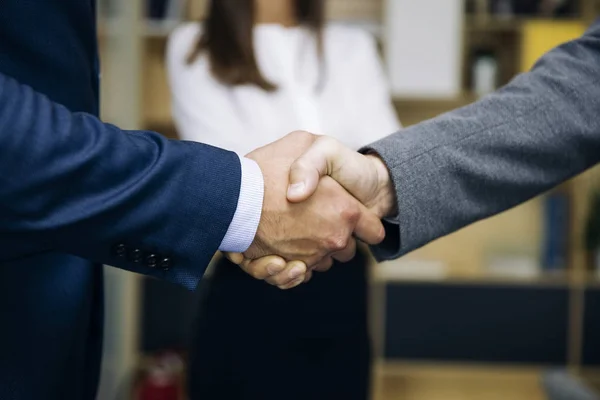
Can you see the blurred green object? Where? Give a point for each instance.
(592, 231)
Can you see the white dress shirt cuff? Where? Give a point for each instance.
(242, 228)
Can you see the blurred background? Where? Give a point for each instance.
(508, 308)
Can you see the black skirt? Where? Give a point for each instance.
(257, 342)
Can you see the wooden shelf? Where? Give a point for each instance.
(414, 110)
(542, 279)
(492, 24)
(464, 98)
(503, 24)
(574, 278)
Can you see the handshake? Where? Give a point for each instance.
(318, 197)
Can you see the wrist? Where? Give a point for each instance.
(385, 204)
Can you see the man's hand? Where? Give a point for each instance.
(273, 270)
(365, 176)
(313, 231)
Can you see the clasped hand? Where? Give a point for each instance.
(319, 198)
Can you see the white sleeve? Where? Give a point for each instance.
(201, 106)
(375, 114)
(243, 226)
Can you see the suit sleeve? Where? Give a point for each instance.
(472, 163)
(131, 199)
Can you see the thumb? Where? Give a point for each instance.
(308, 169)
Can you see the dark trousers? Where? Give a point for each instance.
(256, 342)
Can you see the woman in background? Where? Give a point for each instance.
(253, 72)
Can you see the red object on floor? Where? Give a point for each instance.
(151, 391)
(162, 381)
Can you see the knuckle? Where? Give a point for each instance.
(349, 212)
(303, 136)
(337, 242)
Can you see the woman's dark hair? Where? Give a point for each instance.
(227, 38)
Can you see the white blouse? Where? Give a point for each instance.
(351, 104)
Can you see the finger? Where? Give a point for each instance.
(293, 271)
(236, 258)
(323, 265)
(306, 171)
(264, 267)
(292, 284)
(369, 227)
(347, 254)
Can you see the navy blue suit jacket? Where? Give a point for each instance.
(76, 193)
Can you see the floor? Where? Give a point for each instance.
(452, 382)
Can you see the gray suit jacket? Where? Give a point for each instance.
(469, 164)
